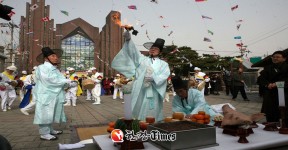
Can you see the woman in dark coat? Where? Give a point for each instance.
(106, 85)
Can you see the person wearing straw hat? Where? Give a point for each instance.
(71, 93)
(24, 74)
(150, 74)
(117, 87)
(88, 92)
(8, 93)
(199, 77)
(28, 101)
(66, 74)
(49, 93)
(22, 90)
(96, 91)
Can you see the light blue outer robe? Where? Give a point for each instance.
(146, 101)
(49, 94)
(196, 102)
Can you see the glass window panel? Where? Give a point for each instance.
(78, 53)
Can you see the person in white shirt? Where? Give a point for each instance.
(72, 91)
(117, 86)
(89, 94)
(8, 95)
(22, 90)
(29, 82)
(96, 91)
(199, 77)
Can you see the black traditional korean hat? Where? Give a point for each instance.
(178, 83)
(158, 43)
(47, 51)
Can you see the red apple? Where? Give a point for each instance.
(150, 119)
(143, 125)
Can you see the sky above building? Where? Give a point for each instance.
(262, 24)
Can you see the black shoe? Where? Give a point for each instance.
(246, 100)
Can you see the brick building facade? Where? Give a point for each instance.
(83, 45)
(34, 34)
(2, 59)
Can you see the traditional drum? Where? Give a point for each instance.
(20, 83)
(2, 87)
(88, 84)
(14, 83)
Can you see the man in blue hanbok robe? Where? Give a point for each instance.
(150, 74)
(49, 94)
(188, 100)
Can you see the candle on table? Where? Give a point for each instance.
(127, 107)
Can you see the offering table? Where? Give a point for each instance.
(260, 139)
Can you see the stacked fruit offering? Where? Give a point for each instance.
(148, 120)
(201, 118)
(111, 126)
(176, 116)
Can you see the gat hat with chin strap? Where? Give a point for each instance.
(47, 51)
(178, 83)
(159, 43)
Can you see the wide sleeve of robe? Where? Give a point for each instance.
(50, 82)
(127, 60)
(196, 102)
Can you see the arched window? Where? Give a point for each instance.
(78, 52)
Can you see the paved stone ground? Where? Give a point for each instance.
(22, 134)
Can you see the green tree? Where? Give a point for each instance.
(180, 60)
